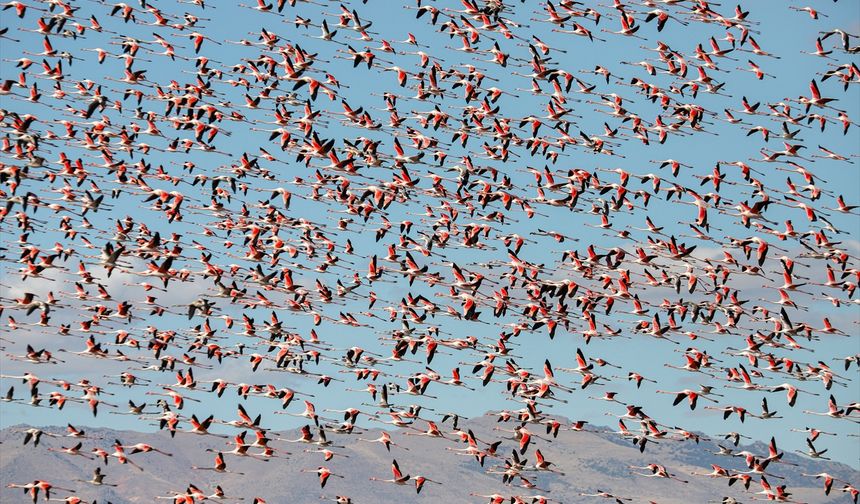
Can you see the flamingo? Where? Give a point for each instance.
(243, 214)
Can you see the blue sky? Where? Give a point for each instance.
(783, 32)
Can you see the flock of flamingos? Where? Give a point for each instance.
(359, 224)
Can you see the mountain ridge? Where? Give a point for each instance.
(594, 460)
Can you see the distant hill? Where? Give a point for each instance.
(590, 460)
